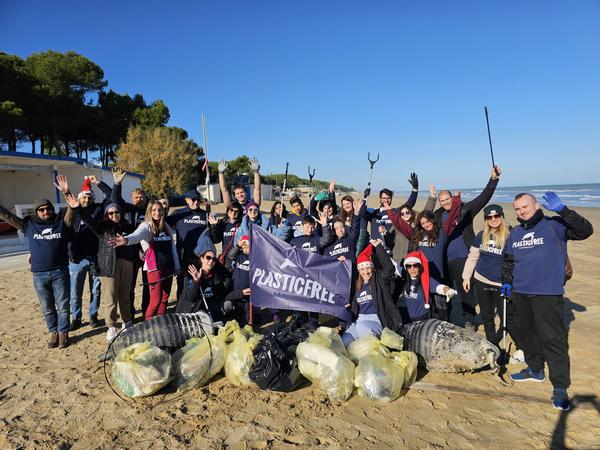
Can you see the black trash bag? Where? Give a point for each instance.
(276, 368)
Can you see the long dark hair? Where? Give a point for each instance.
(419, 232)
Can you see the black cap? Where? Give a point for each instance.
(37, 204)
(493, 209)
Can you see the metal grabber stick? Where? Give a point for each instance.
(487, 121)
(310, 178)
(372, 163)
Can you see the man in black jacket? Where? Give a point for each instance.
(460, 240)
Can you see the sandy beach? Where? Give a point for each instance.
(60, 399)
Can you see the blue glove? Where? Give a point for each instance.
(553, 202)
(505, 290)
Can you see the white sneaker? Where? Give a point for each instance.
(111, 333)
(126, 325)
(517, 357)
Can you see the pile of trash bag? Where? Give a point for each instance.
(141, 369)
(275, 367)
(200, 359)
(323, 359)
(238, 356)
(381, 373)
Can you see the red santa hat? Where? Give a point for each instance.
(420, 258)
(86, 188)
(364, 259)
(244, 238)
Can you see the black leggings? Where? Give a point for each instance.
(490, 303)
(467, 299)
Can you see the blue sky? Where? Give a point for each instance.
(324, 82)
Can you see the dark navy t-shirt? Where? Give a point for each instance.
(490, 259)
(540, 255)
(48, 244)
(366, 304)
(241, 271)
(435, 253)
(457, 248)
(308, 243)
(342, 247)
(189, 225)
(415, 299)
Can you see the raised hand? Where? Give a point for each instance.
(496, 172)
(212, 219)
(414, 181)
(194, 273)
(71, 200)
(222, 166)
(552, 202)
(117, 240)
(118, 174)
(358, 204)
(375, 242)
(332, 185)
(93, 179)
(62, 184)
(254, 165)
(432, 191)
(322, 218)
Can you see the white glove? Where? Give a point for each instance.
(450, 293)
(222, 166)
(254, 165)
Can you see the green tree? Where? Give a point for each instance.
(15, 91)
(155, 115)
(167, 161)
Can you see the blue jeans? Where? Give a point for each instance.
(52, 289)
(78, 273)
(365, 325)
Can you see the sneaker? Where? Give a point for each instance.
(53, 341)
(528, 375)
(126, 325)
(94, 322)
(560, 399)
(63, 340)
(75, 325)
(517, 357)
(111, 333)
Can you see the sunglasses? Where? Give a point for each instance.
(412, 266)
(44, 209)
(209, 258)
(252, 209)
(113, 213)
(493, 216)
(405, 213)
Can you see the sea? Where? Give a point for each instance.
(570, 194)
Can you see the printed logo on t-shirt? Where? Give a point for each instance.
(425, 242)
(195, 219)
(528, 240)
(308, 247)
(140, 218)
(47, 234)
(384, 220)
(244, 266)
(491, 248)
(364, 297)
(338, 249)
(208, 292)
(412, 293)
(162, 236)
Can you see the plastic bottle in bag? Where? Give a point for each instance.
(366, 345)
(239, 358)
(321, 359)
(379, 378)
(141, 369)
(201, 358)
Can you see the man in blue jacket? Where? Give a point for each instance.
(534, 262)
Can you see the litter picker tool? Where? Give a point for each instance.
(487, 121)
(310, 178)
(287, 164)
(372, 163)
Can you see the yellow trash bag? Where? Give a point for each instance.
(391, 339)
(201, 358)
(238, 356)
(322, 359)
(366, 345)
(141, 369)
(409, 361)
(378, 378)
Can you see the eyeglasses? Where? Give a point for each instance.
(44, 209)
(412, 266)
(113, 213)
(209, 258)
(493, 216)
(252, 209)
(405, 213)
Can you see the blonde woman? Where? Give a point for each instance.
(161, 262)
(483, 271)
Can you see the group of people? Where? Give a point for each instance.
(407, 264)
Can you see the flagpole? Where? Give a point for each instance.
(207, 182)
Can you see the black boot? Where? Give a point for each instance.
(94, 322)
(75, 324)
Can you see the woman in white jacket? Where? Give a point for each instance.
(161, 261)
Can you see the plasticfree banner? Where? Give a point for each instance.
(283, 277)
